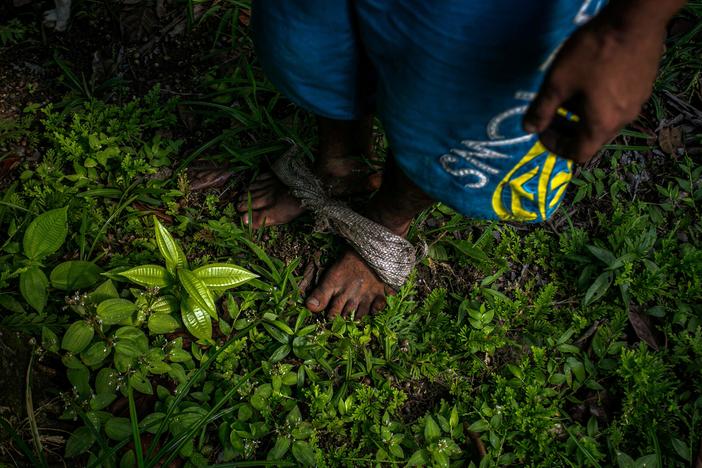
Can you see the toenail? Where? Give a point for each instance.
(313, 302)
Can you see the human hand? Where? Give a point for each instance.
(603, 75)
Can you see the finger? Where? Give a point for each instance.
(543, 109)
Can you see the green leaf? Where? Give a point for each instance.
(79, 442)
(169, 248)
(75, 274)
(106, 381)
(10, 303)
(303, 453)
(198, 292)
(280, 353)
(294, 416)
(80, 379)
(113, 311)
(223, 275)
(164, 305)
(604, 255)
(151, 421)
(77, 337)
(431, 430)
(598, 288)
(624, 460)
(33, 286)
(479, 426)
(196, 320)
(95, 354)
(281, 447)
(419, 458)
(162, 323)
(118, 428)
(46, 233)
(453, 419)
(682, 449)
(149, 276)
(102, 400)
(140, 383)
(106, 290)
(49, 340)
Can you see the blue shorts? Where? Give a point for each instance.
(449, 80)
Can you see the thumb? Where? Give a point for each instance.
(544, 107)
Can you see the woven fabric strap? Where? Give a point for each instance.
(391, 256)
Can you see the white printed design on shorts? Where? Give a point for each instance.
(474, 160)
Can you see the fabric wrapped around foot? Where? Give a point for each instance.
(391, 256)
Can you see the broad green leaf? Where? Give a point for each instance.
(49, 340)
(33, 286)
(604, 255)
(198, 292)
(479, 426)
(302, 431)
(624, 460)
(102, 400)
(170, 250)
(647, 461)
(113, 311)
(682, 449)
(196, 320)
(598, 288)
(80, 379)
(431, 430)
(141, 383)
(151, 421)
(179, 355)
(95, 354)
(118, 428)
(79, 442)
(46, 233)
(127, 348)
(75, 274)
(294, 416)
(281, 447)
(303, 453)
(149, 276)
(280, 353)
(162, 323)
(106, 380)
(419, 458)
(106, 290)
(164, 305)
(223, 275)
(77, 337)
(10, 303)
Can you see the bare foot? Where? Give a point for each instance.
(272, 203)
(349, 285)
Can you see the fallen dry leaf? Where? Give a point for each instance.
(670, 139)
(642, 327)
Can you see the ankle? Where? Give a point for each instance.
(397, 224)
